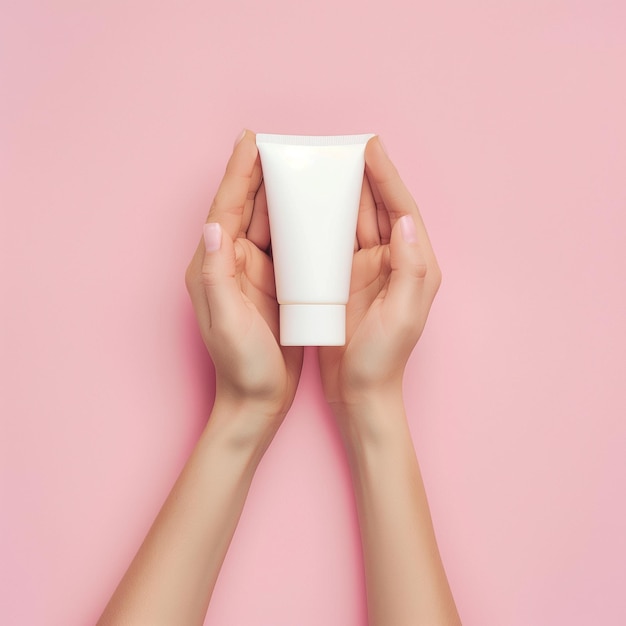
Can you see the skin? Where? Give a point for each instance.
(231, 283)
(395, 277)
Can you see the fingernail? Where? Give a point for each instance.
(239, 138)
(212, 236)
(407, 228)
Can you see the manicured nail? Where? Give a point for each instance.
(212, 236)
(239, 138)
(407, 228)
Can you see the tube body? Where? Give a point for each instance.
(313, 187)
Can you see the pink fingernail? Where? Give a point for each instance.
(239, 138)
(407, 228)
(212, 236)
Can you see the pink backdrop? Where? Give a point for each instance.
(507, 121)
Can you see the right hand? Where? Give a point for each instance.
(231, 283)
(395, 277)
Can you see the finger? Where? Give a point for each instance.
(257, 268)
(382, 216)
(195, 287)
(218, 276)
(411, 277)
(232, 205)
(389, 189)
(256, 180)
(259, 228)
(258, 286)
(367, 231)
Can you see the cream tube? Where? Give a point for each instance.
(313, 187)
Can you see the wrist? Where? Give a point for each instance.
(242, 426)
(372, 416)
(376, 437)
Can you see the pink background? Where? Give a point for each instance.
(506, 119)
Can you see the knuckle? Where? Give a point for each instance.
(209, 277)
(435, 275)
(420, 270)
(223, 204)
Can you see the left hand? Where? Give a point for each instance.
(395, 277)
(231, 283)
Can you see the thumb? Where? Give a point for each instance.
(218, 275)
(408, 269)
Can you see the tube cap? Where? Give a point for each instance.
(312, 324)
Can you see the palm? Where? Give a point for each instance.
(365, 327)
(255, 276)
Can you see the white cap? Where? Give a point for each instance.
(312, 324)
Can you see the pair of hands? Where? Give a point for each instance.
(230, 279)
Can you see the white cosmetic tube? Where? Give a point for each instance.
(313, 187)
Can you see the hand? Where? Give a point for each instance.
(395, 277)
(231, 283)
(394, 280)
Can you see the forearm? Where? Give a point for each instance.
(405, 578)
(171, 578)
